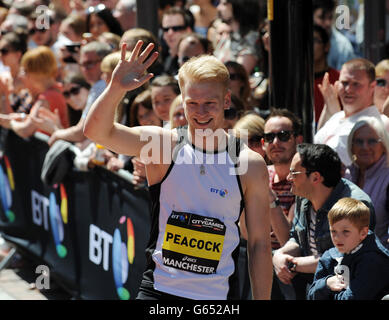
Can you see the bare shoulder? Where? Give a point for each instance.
(157, 167)
(252, 168)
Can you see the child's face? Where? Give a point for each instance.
(346, 236)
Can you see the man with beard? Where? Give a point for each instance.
(282, 134)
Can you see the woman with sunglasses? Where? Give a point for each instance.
(99, 19)
(75, 91)
(368, 145)
(381, 90)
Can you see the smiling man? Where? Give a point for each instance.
(356, 91)
(196, 199)
(315, 173)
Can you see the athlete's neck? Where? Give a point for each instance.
(207, 140)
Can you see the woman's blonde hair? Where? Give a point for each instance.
(351, 209)
(109, 63)
(40, 61)
(204, 68)
(381, 68)
(177, 101)
(251, 122)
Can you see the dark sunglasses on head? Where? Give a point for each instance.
(72, 91)
(230, 114)
(381, 82)
(283, 136)
(95, 9)
(33, 30)
(174, 28)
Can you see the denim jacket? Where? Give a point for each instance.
(300, 228)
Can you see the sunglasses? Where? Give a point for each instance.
(33, 30)
(381, 82)
(230, 114)
(72, 91)
(174, 28)
(293, 174)
(370, 142)
(283, 136)
(4, 51)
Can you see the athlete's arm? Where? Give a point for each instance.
(100, 125)
(257, 207)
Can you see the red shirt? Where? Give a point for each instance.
(319, 101)
(286, 197)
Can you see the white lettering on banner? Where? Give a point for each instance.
(40, 209)
(99, 242)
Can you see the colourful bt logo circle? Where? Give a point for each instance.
(58, 216)
(122, 256)
(7, 185)
(223, 193)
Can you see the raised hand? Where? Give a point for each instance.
(330, 94)
(132, 73)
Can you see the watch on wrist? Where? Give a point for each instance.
(275, 203)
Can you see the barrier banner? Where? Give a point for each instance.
(36, 212)
(113, 226)
(91, 229)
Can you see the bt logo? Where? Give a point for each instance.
(7, 185)
(123, 254)
(221, 192)
(57, 215)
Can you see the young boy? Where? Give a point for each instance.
(357, 268)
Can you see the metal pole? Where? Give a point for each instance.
(147, 15)
(291, 59)
(374, 30)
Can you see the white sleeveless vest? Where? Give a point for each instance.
(197, 245)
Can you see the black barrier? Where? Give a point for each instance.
(91, 229)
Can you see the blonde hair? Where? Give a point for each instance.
(351, 209)
(177, 101)
(109, 63)
(40, 61)
(204, 68)
(111, 39)
(381, 68)
(251, 122)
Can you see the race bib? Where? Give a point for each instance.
(193, 243)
